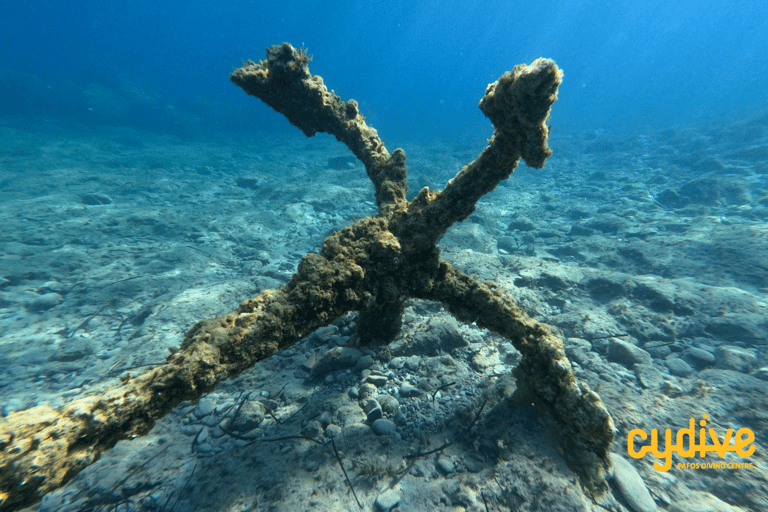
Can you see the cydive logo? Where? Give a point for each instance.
(741, 445)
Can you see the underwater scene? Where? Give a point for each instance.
(384, 256)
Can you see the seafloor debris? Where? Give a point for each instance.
(372, 266)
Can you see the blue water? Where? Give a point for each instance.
(418, 69)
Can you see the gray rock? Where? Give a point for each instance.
(337, 358)
(445, 465)
(383, 427)
(325, 419)
(631, 485)
(250, 416)
(95, 199)
(704, 502)
(332, 431)
(389, 404)
(372, 410)
(678, 367)
(204, 407)
(658, 350)
(46, 301)
(648, 376)
(312, 430)
(700, 356)
(408, 391)
(387, 500)
(736, 358)
(627, 354)
(376, 380)
(364, 363)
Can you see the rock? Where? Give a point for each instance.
(383, 427)
(250, 416)
(374, 413)
(704, 502)
(700, 356)
(736, 358)
(312, 430)
(631, 485)
(389, 404)
(648, 376)
(332, 431)
(336, 358)
(678, 367)
(387, 500)
(376, 380)
(658, 349)
(364, 363)
(408, 391)
(46, 301)
(205, 406)
(445, 465)
(627, 354)
(366, 391)
(441, 334)
(95, 199)
(325, 419)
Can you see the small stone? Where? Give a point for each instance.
(312, 430)
(631, 485)
(383, 427)
(736, 358)
(678, 367)
(46, 301)
(374, 414)
(353, 393)
(627, 354)
(205, 407)
(445, 465)
(325, 419)
(332, 431)
(95, 199)
(376, 380)
(387, 500)
(700, 355)
(408, 391)
(389, 404)
(364, 363)
(648, 376)
(366, 391)
(337, 358)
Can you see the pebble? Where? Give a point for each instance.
(364, 363)
(383, 427)
(205, 406)
(445, 465)
(627, 354)
(337, 358)
(46, 301)
(700, 355)
(648, 376)
(679, 367)
(736, 358)
(631, 485)
(388, 500)
(332, 431)
(312, 430)
(408, 391)
(376, 380)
